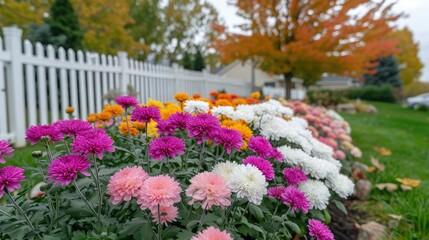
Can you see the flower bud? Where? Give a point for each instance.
(37, 154)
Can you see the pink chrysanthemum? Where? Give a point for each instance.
(294, 176)
(209, 188)
(168, 214)
(35, 133)
(166, 147)
(125, 184)
(276, 154)
(165, 127)
(5, 150)
(340, 155)
(72, 127)
(276, 192)
(179, 120)
(260, 146)
(263, 165)
(229, 138)
(159, 190)
(9, 179)
(212, 233)
(295, 199)
(94, 141)
(202, 126)
(127, 101)
(145, 114)
(319, 230)
(65, 169)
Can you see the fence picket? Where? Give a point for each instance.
(73, 83)
(98, 99)
(64, 85)
(82, 87)
(41, 80)
(90, 83)
(30, 86)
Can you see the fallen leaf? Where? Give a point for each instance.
(388, 186)
(380, 167)
(383, 151)
(396, 217)
(371, 169)
(409, 182)
(406, 188)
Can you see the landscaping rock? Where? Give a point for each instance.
(362, 189)
(346, 107)
(372, 231)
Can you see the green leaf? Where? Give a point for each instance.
(185, 235)
(293, 226)
(191, 224)
(132, 226)
(340, 206)
(256, 211)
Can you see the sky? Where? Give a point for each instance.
(417, 21)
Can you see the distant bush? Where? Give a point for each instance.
(422, 108)
(383, 93)
(415, 88)
(327, 97)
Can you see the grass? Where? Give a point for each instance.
(406, 133)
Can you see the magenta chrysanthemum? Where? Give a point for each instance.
(202, 126)
(229, 138)
(35, 133)
(209, 188)
(127, 101)
(5, 150)
(166, 147)
(319, 230)
(94, 141)
(165, 127)
(179, 120)
(145, 114)
(212, 233)
(65, 169)
(276, 192)
(167, 214)
(159, 190)
(294, 176)
(10, 178)
(72, 127)
(263, 165)
(276, 154)
(260, 146)
(295, 199)
(125, 184)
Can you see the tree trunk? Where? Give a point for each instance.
(288, 85)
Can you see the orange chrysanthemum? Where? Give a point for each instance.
(224, 96)
(196, 96)
(223, 102)
(115, 109)
(169, 110)
(214, 93)
(255, 95)
(181, 96)
(104, 116)
(239, 101)
(123, 128)
(70, 110)
(92, 117)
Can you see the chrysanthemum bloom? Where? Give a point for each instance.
(225, 169)
(255, 95)
(276, 154)
(239, 101)
(167, 214)
(127, 101)
(5, 150)
(72, 127)
(260, 146)
(196, 106)
(70, 110)
(220, 111)
(159, 190)
(202, 126)
(245, 131)
(170, 110)
(146, 114)
(223, 102)
(35, 133)
(152, 129)
(263, 165)
(341, 184)
(94, 141)
(124, 129)
(104, 116)
(65, 169)
(276, 192)
(229, 138)
(196, 96)
(212, 233)
(214, 93)
(166, 147)
(125, 184)
(154, 103)
(92, 118)
(319, 230)
(316, 192)
(248, 182)
(209, 188)
(294, 176)
(340, 155)
(115, 109)
(295, 199)
(165, 127)
(9, 179)
(356, 152)
(181, 96)
(179, 120)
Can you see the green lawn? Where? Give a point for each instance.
(406, 133)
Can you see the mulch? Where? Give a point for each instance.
(344, 227)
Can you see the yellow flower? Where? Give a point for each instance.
(139, 125)
(92, 117)
(115, 109)
(152, 131)
(181, 96)
(255, 95)
(239, 101)
(245, 131)
(154, 103)
(125, 118)
(223, 102)
(409, 182)
(169, 110)
(228, 122)
(104, 116)
(70, 110)
(123, 128)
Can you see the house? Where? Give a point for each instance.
(334, 82)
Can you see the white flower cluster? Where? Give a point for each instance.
(196, 106)
(223, 110)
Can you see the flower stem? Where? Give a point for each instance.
(168, 165)
(201, 220)
(48, 151)
(48, 196)
(100, 195)
(147, 150)
(201, 156)
(19, 209)
(67, 146)
(83, 197)
(129, 136)
(159, 223)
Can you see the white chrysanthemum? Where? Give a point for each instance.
(225, 169)
(196, 106)
(280, 109)
(299, 122)
(321, 150)
(292, 156)
(244, 112)
(265, 109)
(341, 184)
(316, 192)
(223, 110)
(334, 115)
(335, 162)
(248, 182)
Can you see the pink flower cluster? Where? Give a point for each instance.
(166, 147)
(127, 101)
(229, 138)
(263, 165)
(290, 196)
(212, 233)
(65, 169)
(5, 150)
(263, 148)
(145, 114)
(209, 188)
(319, 231)
(94, 141)
(125, 184)
(10, 178)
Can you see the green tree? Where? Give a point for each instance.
(187, 62)
(199, 63)
(386, 72)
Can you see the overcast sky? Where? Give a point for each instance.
(418, 22)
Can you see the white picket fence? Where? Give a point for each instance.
(37, 83)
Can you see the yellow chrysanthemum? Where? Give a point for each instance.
(181, 96)
(154, 103)
(104, 116)
(139, 125)
(255, 95)
(123, 128)
(152, 131)
(92, 117)
(239, 101)
(245, 131)
(125, 118)
(70, 110)
(223, 102)
(115, 109)
(169, 110)
(167, 103)
(228, 122)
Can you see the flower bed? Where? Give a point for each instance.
(221, 168)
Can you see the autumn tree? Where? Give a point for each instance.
(305, 38)
(199, 63)
(386, 73)
(22, 13)
(408, 56)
